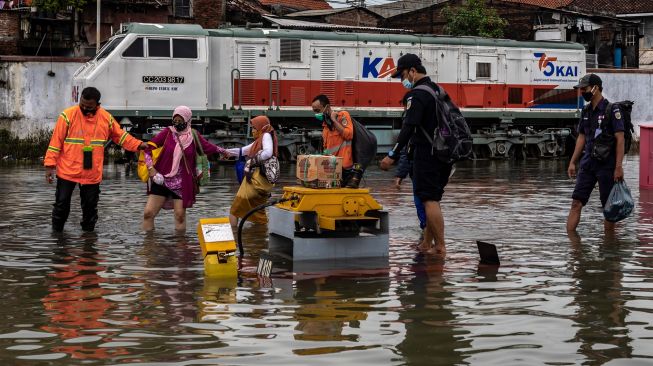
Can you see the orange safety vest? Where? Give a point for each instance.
(72, 132)
(339, 144)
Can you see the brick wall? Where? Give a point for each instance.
(208, 13)
(9, 32)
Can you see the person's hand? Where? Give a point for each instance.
(143, 146)
(158, 179)
(386, 163)
(152, 172)
(618, 173)
(398, 182)
(571, 171)
(248, 170)
(49, 174)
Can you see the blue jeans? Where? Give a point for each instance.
(419, 207)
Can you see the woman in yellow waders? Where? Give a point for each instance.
(255, 188)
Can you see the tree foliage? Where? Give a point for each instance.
(58, 5)
(474, 18)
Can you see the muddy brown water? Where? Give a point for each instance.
(123, 297)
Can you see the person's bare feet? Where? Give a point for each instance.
(424, 247)
(439, 251)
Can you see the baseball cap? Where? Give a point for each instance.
(405, 62)
(589, 80)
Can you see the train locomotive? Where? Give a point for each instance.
(518, 97)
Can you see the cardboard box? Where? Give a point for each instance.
(319, 171)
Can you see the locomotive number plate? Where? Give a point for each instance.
(163, 79)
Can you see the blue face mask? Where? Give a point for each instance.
(407, 84)
(319, 117)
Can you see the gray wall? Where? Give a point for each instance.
(30, 100)
(637, 87)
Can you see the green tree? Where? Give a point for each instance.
(473, 18)
(57, 5)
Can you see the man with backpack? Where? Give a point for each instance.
(430, 172)
(601, 143)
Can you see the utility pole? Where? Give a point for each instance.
(97, 27)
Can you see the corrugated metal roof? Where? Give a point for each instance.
(403, 6)
(298, 4)
(302, 24)
(614, 6)
(316, 13)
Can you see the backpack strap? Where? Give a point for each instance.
(435, 97)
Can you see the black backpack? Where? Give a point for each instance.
(452, 139)
(363, 145)
(626, 108)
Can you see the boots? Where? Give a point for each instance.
(355, 177)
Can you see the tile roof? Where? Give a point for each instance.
(614, 7)
(298, 4)
(550, 4)
(403, 6)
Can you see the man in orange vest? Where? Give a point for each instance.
(337, 136)
(76, 151)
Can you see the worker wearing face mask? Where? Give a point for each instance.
(595, 120)
(76, 155)
(337, 136)
(430, 175)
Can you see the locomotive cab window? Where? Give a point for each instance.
(290, 50)
(184, 48)
(135, 49)
(108, 48)
(158, 47)
(483, 70)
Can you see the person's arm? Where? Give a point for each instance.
(403, 166)
(345, 130)
(412, 119)
(123, 138)
(209, 148)
(55, 147)
(619, 168)
(580, 144)
(234, 151)
(268, 148)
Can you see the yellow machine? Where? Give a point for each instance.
(218, 247)
(314, 224)
(334, 209)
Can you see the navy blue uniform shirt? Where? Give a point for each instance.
(590, 124)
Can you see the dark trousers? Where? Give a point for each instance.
(90, 195)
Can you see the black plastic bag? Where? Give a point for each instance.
(620, 203)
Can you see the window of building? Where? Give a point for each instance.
(483, 70)
(184, 48)
(135, 49)
(183, 8)
(631, 37)
(158, 47)
(290, 50)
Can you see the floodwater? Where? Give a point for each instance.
(122, 297)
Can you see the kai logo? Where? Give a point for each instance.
(549, 68)
(371, 66)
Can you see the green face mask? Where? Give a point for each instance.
(319, 117)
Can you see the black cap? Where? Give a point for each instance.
(405, 62)
(589, 80)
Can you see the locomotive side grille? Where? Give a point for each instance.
(297, 96)
(349, 87)
(247, 67)
(290, 50)
(515, 95)
(328, 72)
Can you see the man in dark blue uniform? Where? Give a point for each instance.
(595, 120)
(430, 175)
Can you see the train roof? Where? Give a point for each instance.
(197, 30)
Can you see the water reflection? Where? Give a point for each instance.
(125, 298)
(601, 314)
(75, 303)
